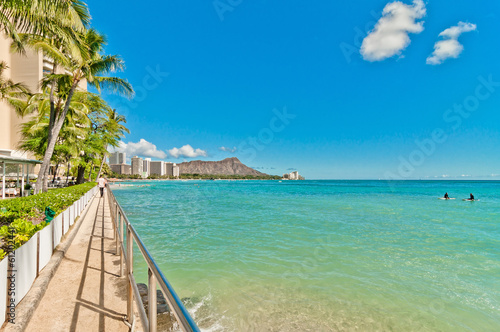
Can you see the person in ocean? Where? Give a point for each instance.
(471, 197)
(446, 196)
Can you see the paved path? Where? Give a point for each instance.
(86, 292)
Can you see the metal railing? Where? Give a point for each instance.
(155, 276)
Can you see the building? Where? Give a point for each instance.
(157, 168)
(137, 166)
(292, 176)
(122, 169)
(169, 169)
(117, 158)
(176, 171)
(146, 167)
(28, 69)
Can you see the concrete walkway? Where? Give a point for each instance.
(86, 292)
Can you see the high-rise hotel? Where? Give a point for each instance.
(28, 69)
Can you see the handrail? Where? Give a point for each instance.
(155, 276)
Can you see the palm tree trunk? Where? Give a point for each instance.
(100, 167)
(55, 173)
(90, 171)
(81, 175)
(67, 174)
(41, 183)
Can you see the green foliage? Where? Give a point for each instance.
(6, 217)
(24, 216)
(18, 233)
(57, 199)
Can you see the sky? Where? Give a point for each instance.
(332, 89)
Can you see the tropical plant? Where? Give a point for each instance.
(59, 29)
(112, 131)
(48, 18)
(91, 68)
(35, 131)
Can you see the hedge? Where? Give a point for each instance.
(24, 216)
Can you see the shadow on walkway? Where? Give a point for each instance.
(82, 296)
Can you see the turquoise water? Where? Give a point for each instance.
(325, 255)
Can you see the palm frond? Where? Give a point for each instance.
(115, 84)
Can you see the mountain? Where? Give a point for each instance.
(228, 166)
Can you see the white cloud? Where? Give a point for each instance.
(187, 151)
(142, 148)
(390, 35)
(226, 149)
(449, 47)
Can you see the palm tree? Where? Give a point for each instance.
(42, 17)
(92, 146)
(61, 22)
(35, 131)
(91, 67)
(113, 130)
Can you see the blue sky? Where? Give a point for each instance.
(336, 90)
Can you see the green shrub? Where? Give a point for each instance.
(21, 230)
(58, 200)
(24, 216)
(6, 217)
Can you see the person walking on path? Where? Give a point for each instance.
(102, 183)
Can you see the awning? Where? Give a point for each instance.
(10, 160)
(18, 160)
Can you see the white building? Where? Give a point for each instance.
(146, 167)
(176, 171)
(137, 166)
(291, 176)
(117, 158)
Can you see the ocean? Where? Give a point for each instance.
(324, 255)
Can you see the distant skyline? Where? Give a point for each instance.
(376, 90)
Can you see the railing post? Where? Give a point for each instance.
(152, 301)
(117, 238)
(130, 271)
(116, 210)
(120, 236)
